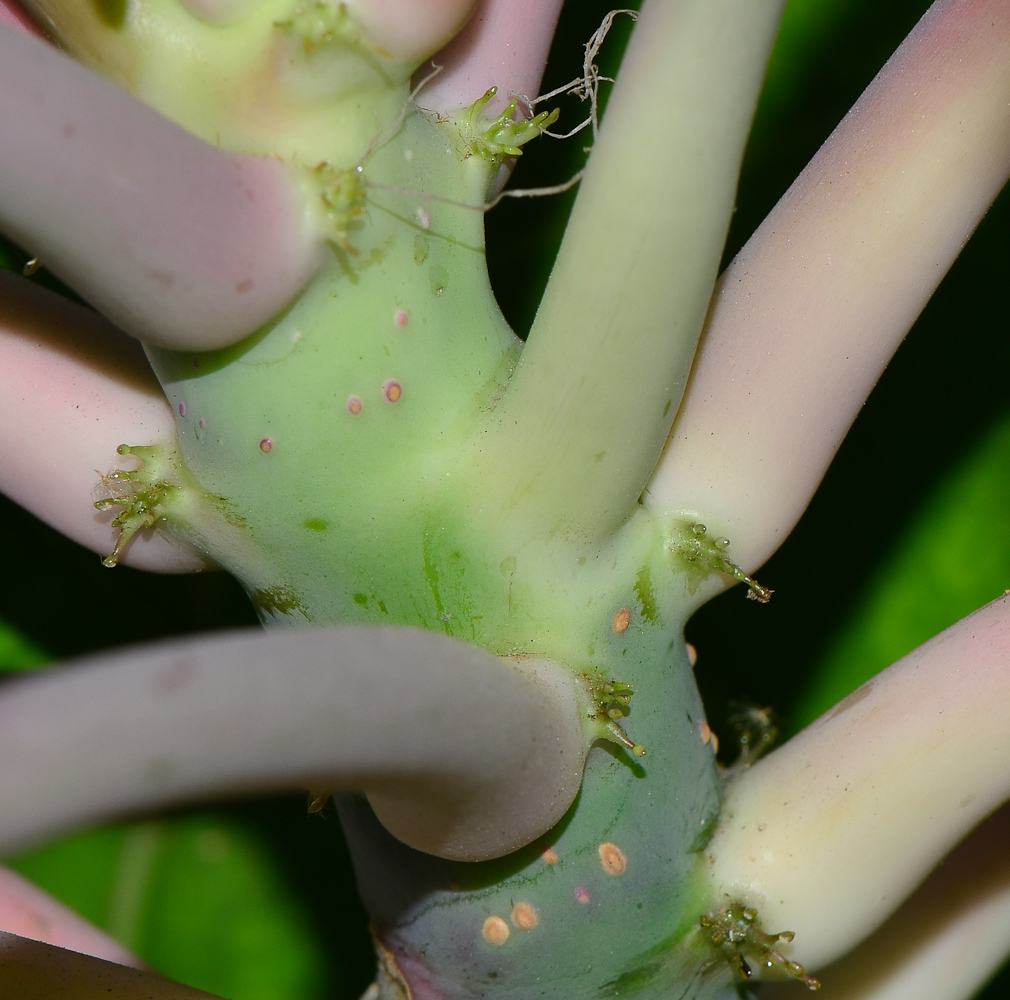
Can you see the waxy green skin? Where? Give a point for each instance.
(372, 517)
(598, 934)
(335, 487)
(327, 461)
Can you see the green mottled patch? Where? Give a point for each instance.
(703, 554)
(646, 595)
(421, 249)
(633, 981)
(705, 833)
(111, 12)
(280, 600)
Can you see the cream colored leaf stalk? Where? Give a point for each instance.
(831, 832)
(589, 406)
(944, 942)
(810, 311)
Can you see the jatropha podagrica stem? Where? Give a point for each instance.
(382, 450)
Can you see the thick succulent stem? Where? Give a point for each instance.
(384, 450)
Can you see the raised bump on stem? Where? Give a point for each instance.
(88, 175)
(597, 387)
(809, 313)
(830, 833)
(71, 389)
(444, 763)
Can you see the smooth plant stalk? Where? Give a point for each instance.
(410, 28)
(27, 911)
(443, 764)
(503, 45)
(600, 380)
(945, 941)
(88, 175)
(829, 834)
(13, 16)
(71, 389)
(809, 313)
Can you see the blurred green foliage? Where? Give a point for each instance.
(197, 894)
(17, 652)
(953, 558)
(906, 535)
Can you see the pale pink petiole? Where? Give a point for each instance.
(72, 389)
(504, 44)
(250, 712)
(12, 15)
(88, 175)
(810, 311)
(29, 912)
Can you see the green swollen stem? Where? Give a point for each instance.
(591, 402)
(327, 461)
